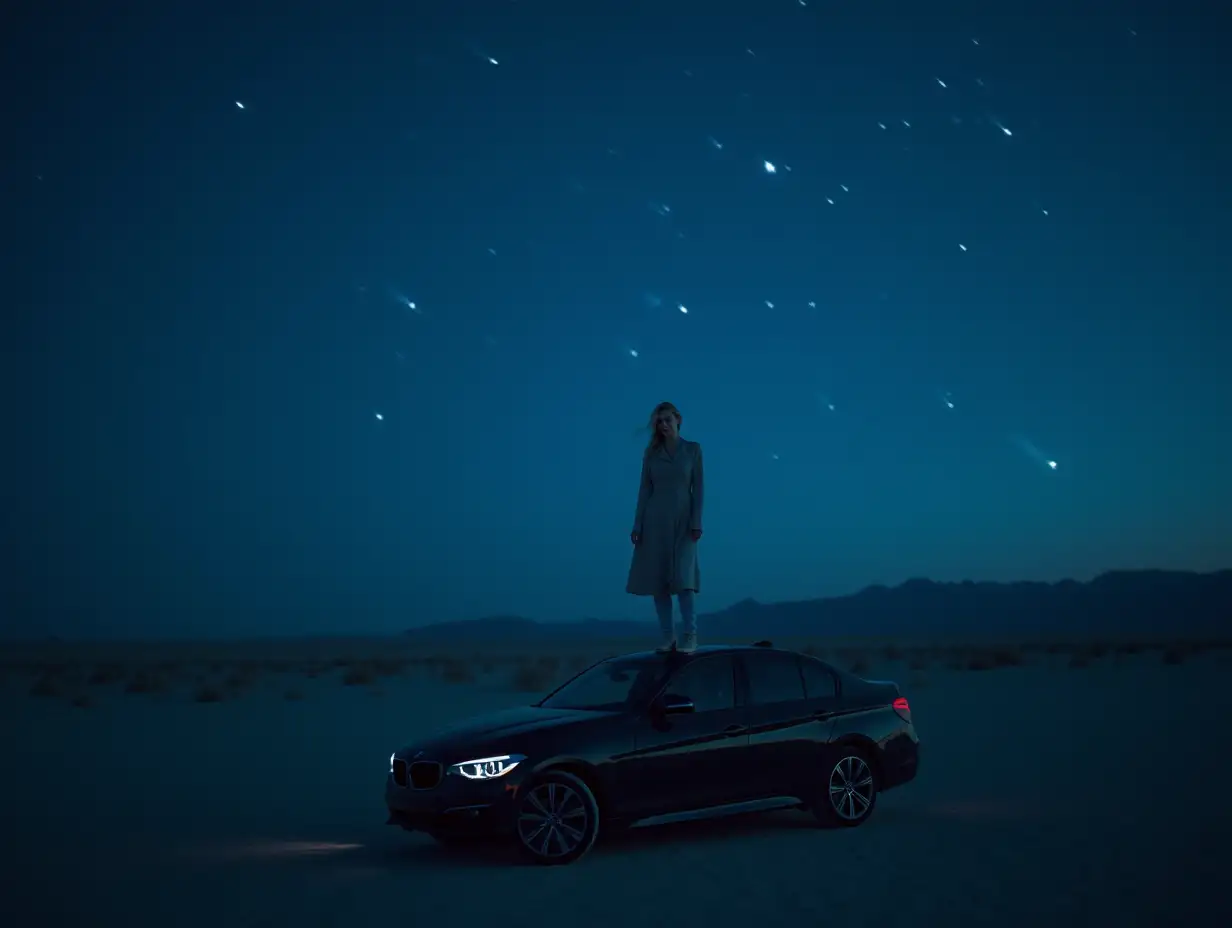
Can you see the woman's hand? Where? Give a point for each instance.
(695, 533)
(635, 538)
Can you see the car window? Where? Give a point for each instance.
(774, 676)
(708, 681)
(819, 682)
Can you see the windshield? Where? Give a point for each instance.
(615, 684)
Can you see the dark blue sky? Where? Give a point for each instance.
(991, 241)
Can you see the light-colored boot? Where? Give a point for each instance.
(688, 642)
(669, 643)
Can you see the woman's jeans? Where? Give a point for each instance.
(688, 620)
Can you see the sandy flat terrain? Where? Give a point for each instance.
(1049, 794)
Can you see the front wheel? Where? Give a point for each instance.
(849, 792)
(558, 818)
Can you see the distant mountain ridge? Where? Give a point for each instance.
(1149, 603)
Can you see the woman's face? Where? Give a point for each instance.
(666, 424)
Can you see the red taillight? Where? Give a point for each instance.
(903, 708)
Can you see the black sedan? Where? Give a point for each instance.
(655, 737)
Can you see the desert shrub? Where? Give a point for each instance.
(1080, 659)
(241, 678)
(390, 666)
(550, 663)
(1174, 655)
(454, 670)
(106, 675)
(1130, 648)
(579, 662)
(978, 662)
(170, 671)
(535, 676)
(48, 685)
(145, 681)
(919, 659)
(359, 675)
(855, 659)
(1006, 657)
(892, 653)
(209, 692)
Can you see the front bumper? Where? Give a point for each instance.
(456, 806)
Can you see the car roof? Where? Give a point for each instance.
(706, 651)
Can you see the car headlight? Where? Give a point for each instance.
(391, 761)
(487, 768)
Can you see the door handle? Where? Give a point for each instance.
(734, 730)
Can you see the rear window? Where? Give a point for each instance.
(773, 677)
(819, 682)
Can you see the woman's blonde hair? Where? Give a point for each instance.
(655, 438)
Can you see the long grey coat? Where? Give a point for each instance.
(669, 507)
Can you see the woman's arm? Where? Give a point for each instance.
(699, 489)
(644, 492)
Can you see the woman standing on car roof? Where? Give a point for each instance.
(667, 526)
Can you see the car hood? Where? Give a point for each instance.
(495, 727)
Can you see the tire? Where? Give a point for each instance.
(557, 819)
(849, 790)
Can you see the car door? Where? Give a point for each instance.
(690, 760)
(788, 730)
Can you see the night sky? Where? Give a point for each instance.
(350, 321)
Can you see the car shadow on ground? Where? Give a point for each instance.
(388, 849)
(394, 851)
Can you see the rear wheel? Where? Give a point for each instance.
(558, 818)
(849, 792)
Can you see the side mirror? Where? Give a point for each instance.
(671, 704)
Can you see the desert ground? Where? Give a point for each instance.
(241, 784)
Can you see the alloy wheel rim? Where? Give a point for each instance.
(553, 820)
(851, 788)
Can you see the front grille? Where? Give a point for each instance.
(425, 774)
(400, 772)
